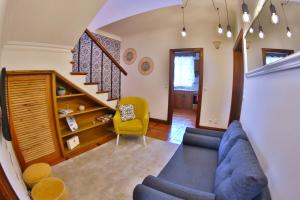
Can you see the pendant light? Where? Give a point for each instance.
(251, 30)
(229, 32)
(219, 28)
(288, 30)
(183, 31)
(274, 16)
(261, 33)
(245, 10)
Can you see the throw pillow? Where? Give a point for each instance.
(127, 112)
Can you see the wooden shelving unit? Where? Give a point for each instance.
(87, 110)
(70, 95)
(90, 132)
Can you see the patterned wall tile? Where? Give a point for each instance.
(108, 71)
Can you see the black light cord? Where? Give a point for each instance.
(227, 12)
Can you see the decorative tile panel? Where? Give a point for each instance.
(113, 47)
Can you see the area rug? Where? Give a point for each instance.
(111, 173)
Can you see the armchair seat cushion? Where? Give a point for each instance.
(131, 125)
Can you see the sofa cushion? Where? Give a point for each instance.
(127, 112)
(231, 135)
(239, 176)
(201, 141)
(193, 167)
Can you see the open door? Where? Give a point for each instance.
(238, 79)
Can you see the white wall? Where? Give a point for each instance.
(3, 4)
(49, 21)
(217, 70)
(270, 116)
(39, 56)
(8, 159)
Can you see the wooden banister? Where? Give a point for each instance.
(94, 39)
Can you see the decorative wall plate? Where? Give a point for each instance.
(146, 66)
(129, 56)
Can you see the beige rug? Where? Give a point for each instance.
(111, 173)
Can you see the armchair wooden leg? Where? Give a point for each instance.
(144, 140)
(118, 138)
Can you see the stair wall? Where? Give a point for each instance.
(35, 56)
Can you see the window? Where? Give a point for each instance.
(184, 72)
(272, 55)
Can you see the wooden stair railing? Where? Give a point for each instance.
(114, 64)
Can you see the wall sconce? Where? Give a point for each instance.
(217, 44)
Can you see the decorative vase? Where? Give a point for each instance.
(61, 92)
(81, 107)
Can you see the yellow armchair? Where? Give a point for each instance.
(137, 126)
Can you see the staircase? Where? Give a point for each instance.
(99, 67)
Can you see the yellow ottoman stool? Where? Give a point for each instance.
(36, 172)
(50, 189)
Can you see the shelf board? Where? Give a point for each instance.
(70, 95)
(66, 133)
(87, 110)
(90, 139)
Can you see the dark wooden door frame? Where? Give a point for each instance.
(171, 82)
(238, 79)
(6, 190)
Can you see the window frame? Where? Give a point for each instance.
(270, 50)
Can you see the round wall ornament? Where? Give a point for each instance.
(129, 56)
(146, 66)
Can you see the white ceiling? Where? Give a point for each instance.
(197, 12)
(115, 10)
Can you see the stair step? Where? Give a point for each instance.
(73, 50)
(112, 99)
(78, 73)
(101, 92)
(92, 83)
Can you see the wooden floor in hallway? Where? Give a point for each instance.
(182, 118)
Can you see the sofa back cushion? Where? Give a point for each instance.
(231, 135)
(239, 176)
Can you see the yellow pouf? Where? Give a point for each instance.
(50, 189)
(36, 172)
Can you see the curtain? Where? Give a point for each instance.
(184, 74)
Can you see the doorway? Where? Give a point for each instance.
(185, 86)
(238, 79)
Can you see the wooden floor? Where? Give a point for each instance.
(182, 118)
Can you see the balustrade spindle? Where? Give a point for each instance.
(79, 47)
(101, 71)
(111, 72)
(91, 63)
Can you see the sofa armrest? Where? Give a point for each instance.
(143, 192)
(201, 141)
(206, 132)
(177, 190)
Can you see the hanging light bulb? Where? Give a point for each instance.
(251, 30)
(220, 29)
(288, 30)
(274, 16)
(229, 33)
(261, 34)
(183, 32)
(288, 33)
(245, 10)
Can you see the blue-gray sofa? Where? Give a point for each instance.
(209, 165)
